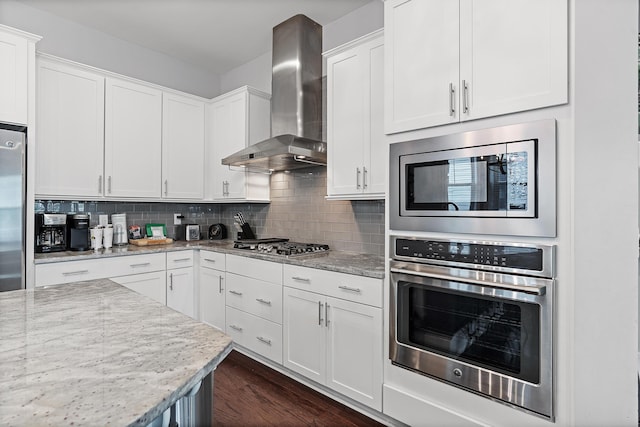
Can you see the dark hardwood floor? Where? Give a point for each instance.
(247, 393)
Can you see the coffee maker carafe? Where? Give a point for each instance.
(51, 232)
(78, 232)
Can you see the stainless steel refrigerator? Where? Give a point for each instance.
(12, 208)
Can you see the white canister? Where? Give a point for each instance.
(96, 238)
(107, 236)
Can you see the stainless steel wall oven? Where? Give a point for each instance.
(476, 314)
(491, 181)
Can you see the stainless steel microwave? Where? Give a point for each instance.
(490, 181)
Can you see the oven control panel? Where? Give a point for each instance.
(503, 255)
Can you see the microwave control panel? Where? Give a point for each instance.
(472, 253)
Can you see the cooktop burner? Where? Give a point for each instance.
(280, 247)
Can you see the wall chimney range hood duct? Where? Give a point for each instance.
(296, 102)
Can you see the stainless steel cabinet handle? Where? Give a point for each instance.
(364, 177)
(235, 293)
(100, 184)
(171, 281)
(358, 178)
(210, 260)
(347, 288)
(452, 100)
(320, 319)
(264, 340)
(181, 259)
(465, 97)
(109, 185)
(326, 315)
(75, 273)
(263, 301)
(237, 328)
(301, 279)
(220, 288)
(142, 264)
(166, 187)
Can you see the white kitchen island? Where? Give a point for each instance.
(96, 353)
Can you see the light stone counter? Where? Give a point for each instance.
(96, 353)
(340, 261)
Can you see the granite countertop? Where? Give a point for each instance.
(96, 353)
(345, 262)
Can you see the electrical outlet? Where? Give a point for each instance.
(177, 219)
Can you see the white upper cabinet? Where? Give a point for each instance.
(448, 61)
(70, 122)
(182, 147)
(133, 140)
(17, 49)
(421, 63)
(513, 55)
(355, 136)
(235, 121)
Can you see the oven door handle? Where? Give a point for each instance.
(535, 289)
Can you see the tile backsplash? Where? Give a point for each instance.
(298, 211)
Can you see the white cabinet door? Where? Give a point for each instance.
(354, 351)
(513, 55)
(69, 152)
(228, 135)
(182, 147)
(212, 297)
(346, 112)
(180, 295)
(234, 121)
(133, 139)
(376, 152)
(355, 134)
(152, 285)
(421, 63)
(14, 54)
(304, 334)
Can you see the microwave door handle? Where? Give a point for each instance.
(530, 289)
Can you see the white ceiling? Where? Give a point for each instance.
(216, 35)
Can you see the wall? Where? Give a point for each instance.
(297, 211)
(75, 42)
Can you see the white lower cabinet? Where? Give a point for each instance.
(212, 285)
(255, 333)
(334, 341)
(74, 271)
(253, 298)
(180, 285)
(152, 285)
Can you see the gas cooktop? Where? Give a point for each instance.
(278, 246)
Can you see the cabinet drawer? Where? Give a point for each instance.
(364, 290)
(256, 268)
(256, 334)
(69, 271)
(210, 259)
(179, 259)
(254, 296)
(73, 271)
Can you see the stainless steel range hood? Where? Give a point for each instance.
(296, 102)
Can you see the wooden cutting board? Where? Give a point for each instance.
(146, 242)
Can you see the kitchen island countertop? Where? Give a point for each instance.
(341, 261)
(96, 353)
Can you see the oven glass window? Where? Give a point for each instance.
(496, 182)
(500, 335)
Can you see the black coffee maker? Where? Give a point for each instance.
(78, 238)
(51, 232)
